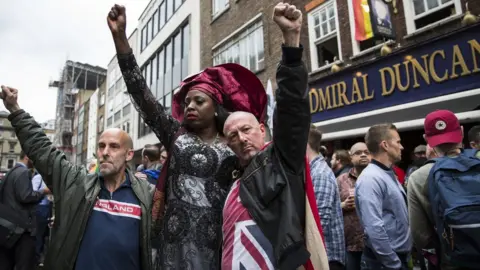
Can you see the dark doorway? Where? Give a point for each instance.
(410, 140)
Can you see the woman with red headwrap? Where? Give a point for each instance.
(200, 168)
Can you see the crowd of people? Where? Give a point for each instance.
(216, 193)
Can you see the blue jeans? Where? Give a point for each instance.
(43, 212)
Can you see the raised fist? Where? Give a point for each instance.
(9, 96)
(117, 20)
(287, 17)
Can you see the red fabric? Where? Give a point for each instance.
(313, 204)
(230, 85)
(400, 174)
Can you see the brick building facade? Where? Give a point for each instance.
(238, 16)
(231, 28)
(220, 27)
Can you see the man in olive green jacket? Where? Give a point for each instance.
(102, 220)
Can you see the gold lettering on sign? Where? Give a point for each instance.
(356, 94)
(390, 71)
(458, 61)
(475, 47)
(423, 70)
(433, 72)
(311, 93)
(366, 95)
(400, 86)
(410, 73)
(342, 94)
(324, 100)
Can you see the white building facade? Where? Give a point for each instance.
(168, 43)
(92, 126)
(119, 110)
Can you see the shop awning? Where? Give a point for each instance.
(406, 116)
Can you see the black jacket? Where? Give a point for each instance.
(18, 194)
(272, 186)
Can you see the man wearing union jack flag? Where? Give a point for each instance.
(267, 213)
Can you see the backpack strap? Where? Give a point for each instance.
(470, 153)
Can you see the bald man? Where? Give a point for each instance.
(269, 199)
(360, 157)
(102, 219)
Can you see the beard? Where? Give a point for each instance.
(419, 162)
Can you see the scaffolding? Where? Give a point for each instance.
(74, 77)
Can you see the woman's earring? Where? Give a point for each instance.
(216, 114)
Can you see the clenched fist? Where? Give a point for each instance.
(288, 18)
(117, 20)
(9, 96)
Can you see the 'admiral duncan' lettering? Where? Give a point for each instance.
(431, 70)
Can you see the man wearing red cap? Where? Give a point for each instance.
(444, 135)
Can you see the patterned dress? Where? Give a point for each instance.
(198, 180)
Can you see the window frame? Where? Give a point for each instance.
(313, 41)
(217, 10)
(222, 53)
(356, 52)
(410, 8)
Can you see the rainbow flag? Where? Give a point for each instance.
(363, 24)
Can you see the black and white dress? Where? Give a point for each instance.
(198, 181)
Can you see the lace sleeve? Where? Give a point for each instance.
(152, 112)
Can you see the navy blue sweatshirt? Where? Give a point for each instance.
(112, 236)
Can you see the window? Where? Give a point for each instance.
(79, 142)
(161, 72)
(118, 100)
(12, 147)
(1, 122)
(370, 42)
(13, 135)
(178, 3)
(246, 49)
(144, 38)
(177, 59)
(324, 38)
(109, 121)
(126, 110)
(149, 31)
(143, 129)
(169, 8)
(163, 15)
(155, 23)
(425, 12)
(10, 163)
(117, 116)
(154, 66)
(185, 50)
(218, 6)
(148, 74)
(101, 122)
(102, 99)
(169, 65)
(126, 127)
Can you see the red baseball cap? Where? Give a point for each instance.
(441, 127)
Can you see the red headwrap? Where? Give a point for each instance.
(230, 85)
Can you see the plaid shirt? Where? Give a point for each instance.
(328, 204)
